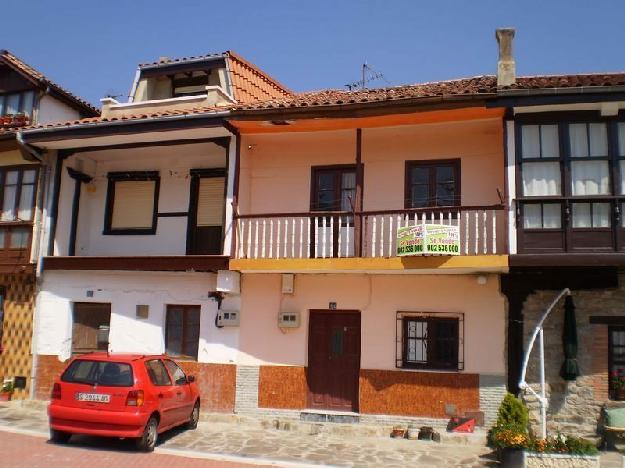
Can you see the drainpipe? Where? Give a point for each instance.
(523, 385)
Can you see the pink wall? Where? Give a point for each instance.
(378, 297)
(275, 168)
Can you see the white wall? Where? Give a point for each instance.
(173, 164)
(125, 290)
(53, 110)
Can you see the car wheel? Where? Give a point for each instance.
(59, 437)
(147, 441)
(195, 416)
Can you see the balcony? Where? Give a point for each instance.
(370, 236)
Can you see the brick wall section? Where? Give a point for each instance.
(247, 389)
(216, 383)
(48, 369)
(417, 393)
(574, 407)
(492, 392)
(282, 387)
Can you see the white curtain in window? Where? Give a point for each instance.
(552, 216)
(549, 141)
(583, 218)
(348, 190)
(10, 191)
(25, 211)
(598, 139)
(621, 139)
(579, 140)
(622, 169)
(541, 179)
(532, 216)
(133, 207)
(530, 140)
(12, 104)
(590, 178)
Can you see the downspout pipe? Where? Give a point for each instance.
(523, 385)
(28, 149)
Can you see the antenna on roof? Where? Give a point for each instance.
(368, 74)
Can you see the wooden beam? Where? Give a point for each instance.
(358, 202)
(200, 263)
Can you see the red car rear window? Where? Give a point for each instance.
(109, 374)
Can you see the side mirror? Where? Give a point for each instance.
(190, 378)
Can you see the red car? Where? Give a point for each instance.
(126, 396)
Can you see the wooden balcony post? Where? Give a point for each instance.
(358, 202)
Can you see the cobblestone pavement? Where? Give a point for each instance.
(271, 446)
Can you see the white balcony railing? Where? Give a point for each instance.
(366, 234)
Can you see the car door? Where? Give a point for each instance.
(182, 391)
(164, 390)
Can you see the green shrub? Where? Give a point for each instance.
(512, 412)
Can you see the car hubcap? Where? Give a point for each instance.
(151, 434)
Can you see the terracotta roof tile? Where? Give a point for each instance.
(138, 116)
(251, 84)
(19, 65)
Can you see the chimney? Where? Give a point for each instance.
(506, 67)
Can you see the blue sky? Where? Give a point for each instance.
(93, 47)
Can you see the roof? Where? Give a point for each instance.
(249, 83)
(133, 117)
(484, 86)
(40, 79)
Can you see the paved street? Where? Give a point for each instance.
(253, 443)
(232, 445)
(36, 452)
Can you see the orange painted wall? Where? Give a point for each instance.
(275, 168)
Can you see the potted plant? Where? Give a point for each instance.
(617, 384)
(6, 391)
(509, 436)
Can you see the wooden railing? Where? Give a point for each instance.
(331, 234)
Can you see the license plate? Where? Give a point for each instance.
(95, 397)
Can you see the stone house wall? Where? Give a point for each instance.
(574, 407)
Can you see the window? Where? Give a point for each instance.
(17, 186)
(616, 352)
(334, 188)
(190, 84)
(176, 372)
(157, 372)
(17, 103)
(573, 163)
(431, 341)
(432, 183)
(90, 328)
(132, 203)
(182, 331)
(109, 374)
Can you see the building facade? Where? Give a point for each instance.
(26, 98)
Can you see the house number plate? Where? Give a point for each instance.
(96, 397)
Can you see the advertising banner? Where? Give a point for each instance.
(428, 239)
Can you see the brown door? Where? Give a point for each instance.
(206, 217)
(91, 327)
(333, 360)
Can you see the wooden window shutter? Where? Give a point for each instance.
(210, 204)
(133, 207)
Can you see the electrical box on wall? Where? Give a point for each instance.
(228, 318)
(229, 281)
(288, 280)
(288, 319)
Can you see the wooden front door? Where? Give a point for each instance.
(333, 360)
(91, 326)
(206, 213)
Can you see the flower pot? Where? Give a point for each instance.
(512, 457)
(5, 396)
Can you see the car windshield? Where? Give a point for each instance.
(110, 374)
